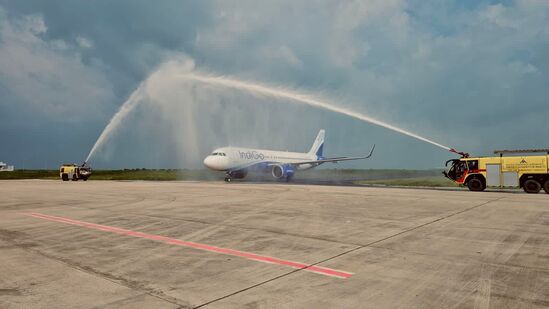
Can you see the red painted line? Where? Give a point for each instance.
(194, 245)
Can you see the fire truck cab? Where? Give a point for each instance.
(529, 172)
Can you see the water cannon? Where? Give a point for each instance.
(462, 154)
(85, 171)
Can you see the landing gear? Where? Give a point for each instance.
(239, 174)
(228, 177)
(289, 178)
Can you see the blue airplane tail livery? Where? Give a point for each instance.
(318, 145)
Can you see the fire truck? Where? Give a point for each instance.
(529, 172)
(74, 172)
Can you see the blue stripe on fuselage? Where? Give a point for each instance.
(259, 166)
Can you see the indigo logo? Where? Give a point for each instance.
(251, 155)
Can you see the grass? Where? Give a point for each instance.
(367, 174)
(389, 177)
(159, 175)
(125, 174)
(434, 181)
(30, 174)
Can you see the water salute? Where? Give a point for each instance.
(274, 154)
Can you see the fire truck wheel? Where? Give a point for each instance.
(546, 186)
(475, 184)
(65, 177)
(531, 186)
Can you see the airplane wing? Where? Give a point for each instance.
(338, 159)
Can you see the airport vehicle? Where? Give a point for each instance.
(74, 172)
(529, 172)
(6, 168)
(236, 162)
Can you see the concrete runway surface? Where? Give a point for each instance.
(215, 245)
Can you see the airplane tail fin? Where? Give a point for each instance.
(318, 145)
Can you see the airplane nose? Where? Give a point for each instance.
(215, 162)
(208, 161)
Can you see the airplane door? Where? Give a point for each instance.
(493, 173)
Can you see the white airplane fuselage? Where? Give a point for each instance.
(236, 161)
(234, 158)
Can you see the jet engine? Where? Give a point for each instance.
(283, 171)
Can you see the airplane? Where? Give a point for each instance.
(236, 162)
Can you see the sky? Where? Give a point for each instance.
(468, 74)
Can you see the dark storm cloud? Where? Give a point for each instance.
(128, 38)
(110, 45)
(471, 74)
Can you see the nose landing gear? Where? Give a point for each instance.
(239, 174)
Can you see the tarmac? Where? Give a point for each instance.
(116, 244)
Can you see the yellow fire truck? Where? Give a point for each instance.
(529, 172)
(74, 172)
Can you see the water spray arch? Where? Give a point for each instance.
(251, 87)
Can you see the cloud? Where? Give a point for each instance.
(460, 72)
(84, 42)
(281, 54)
(467, 73)
(399, 58)
(47, 78)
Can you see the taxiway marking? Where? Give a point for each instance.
(199, 246)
